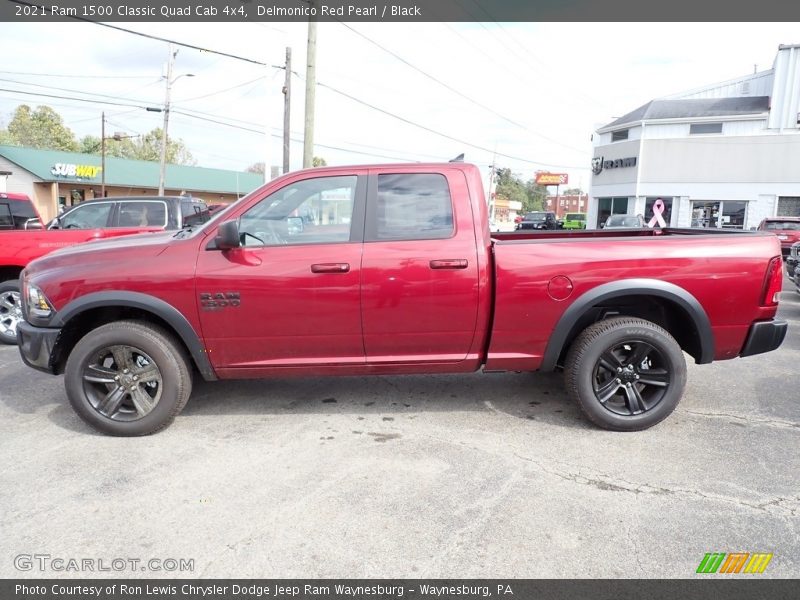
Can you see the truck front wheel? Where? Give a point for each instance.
(10, 311)
(128, 378)
(626, 374)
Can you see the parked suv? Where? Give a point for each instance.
(538, 220)
(786, 228)
(624, 222)
(164, 212)
(574, 221)
(18, 212)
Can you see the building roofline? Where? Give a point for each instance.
(706, 119)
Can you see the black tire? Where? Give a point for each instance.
(626, 374)
(10, 311)
(128, 378)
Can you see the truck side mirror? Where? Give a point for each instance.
(228, 235)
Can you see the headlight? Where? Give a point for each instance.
(38, 305)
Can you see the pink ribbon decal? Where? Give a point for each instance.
(658, 210)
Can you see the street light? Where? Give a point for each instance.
(170, 81)
(118, 135)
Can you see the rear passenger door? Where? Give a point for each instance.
(419, 269)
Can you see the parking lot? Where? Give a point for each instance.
(411, 477)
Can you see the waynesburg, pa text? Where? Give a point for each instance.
(258, 591)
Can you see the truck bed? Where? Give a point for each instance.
(540, 274)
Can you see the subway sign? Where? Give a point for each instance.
(76, 171)
(599, 163)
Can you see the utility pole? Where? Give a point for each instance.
(311, 84)
(103, 155)
(162, 171)
(287, 106)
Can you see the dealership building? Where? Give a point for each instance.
(53, 179)
(722, 156)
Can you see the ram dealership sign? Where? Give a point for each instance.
(598, 163)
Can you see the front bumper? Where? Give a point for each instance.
(764, 336)
(36, 346)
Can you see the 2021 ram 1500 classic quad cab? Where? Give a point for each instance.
(390, 270)
(87, 221)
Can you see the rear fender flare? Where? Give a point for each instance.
(630, 287)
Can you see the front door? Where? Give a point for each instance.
(290, 296)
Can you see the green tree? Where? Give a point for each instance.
(318, 161)
(511, 187)
(537, 195)
(44, 128)
(146, 147)
(40, 128)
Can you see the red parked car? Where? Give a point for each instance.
(84, 222)
(392, 269)
(786, 228)
(18, 212)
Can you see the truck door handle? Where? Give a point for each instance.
(449, 263)
(330, 268)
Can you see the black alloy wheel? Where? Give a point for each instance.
(626, 373)
(128, 378)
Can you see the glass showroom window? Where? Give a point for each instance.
(727, 214)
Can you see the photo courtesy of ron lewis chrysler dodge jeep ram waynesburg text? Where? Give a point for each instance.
(392, 269)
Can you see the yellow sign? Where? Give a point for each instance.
(79, 171)
(551, 178)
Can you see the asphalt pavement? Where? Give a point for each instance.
(484, 475)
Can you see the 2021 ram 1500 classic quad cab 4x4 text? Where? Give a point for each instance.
(391, 270)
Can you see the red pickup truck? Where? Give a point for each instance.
(84, 222)
(391, 270)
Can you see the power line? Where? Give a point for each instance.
(439, 133)
(61, 89)
(73, 98)
(77, 76)
(460, 94)
(155, 37)
(294, 139)
(434, 79)
(233, 87)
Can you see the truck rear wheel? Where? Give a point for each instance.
(626, 374)
(10, 311)
(128, 378)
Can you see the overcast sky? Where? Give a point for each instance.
(531, 91)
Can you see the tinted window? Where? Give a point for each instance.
(142, 214)
(87, 216)
(618, 136)
(5, 217)
(413, 207)
(575, 217)
(17, 214)
(696, 128)
(313, 211)
(783, 225)
(194, 212)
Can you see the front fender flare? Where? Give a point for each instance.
(171, 315)
(629, 287)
